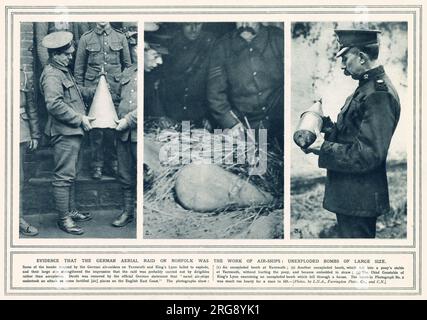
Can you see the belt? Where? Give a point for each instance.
(22, 110)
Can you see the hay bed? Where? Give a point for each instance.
(165, 218)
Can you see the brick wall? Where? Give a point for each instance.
(27, 60)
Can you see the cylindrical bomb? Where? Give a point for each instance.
(310, 123)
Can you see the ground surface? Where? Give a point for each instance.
(99, 227)
(310, 220)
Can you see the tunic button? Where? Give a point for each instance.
(186, 89)
(250, 49)
(105, 62)
(105, 43)
(132, 90)
(263, 108)
(259, 93)
(254, 73)
(130, 101)
(185, 108)
(266, 118)
(105, 52)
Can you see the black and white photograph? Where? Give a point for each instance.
(350, 137)
(213, 130)
(78, 87)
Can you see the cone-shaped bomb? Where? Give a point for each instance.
(102, 107)
(310, 122)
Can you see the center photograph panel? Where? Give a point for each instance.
(213, 130)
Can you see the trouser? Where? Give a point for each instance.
(22, 151)
(103, 144)
(66, 154)
(356, 227)
(126, 156)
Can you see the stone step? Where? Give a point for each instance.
(90, 194)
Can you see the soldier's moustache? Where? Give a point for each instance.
(247, 29)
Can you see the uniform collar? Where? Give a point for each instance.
(55, 64)
(371, 74)
(259, 42)
(100, 30)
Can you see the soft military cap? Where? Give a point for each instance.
(57, 40)
(355, 38)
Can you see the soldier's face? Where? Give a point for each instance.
(352, 64)
(102, 24)
(152, 59)
(248, 30)
(65, 57)
(192, 31)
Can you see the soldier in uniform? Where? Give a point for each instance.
(66, 124)
(186, 74)
(127, 125)
(245, 81)
(102, 50)
(126, 143)
(29, 140)
(355, 148)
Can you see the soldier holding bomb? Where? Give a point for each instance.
(102, 51)
(355, 148)
(66, 125)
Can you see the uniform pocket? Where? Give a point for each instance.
(114, 55)
(123, 81)
(94, 53)
(67, 83)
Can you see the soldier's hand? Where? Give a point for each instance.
(86, 122)
(165, 123)
(33, 144)
(317, 144)
(122, 124)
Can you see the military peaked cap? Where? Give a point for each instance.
(58, 40)
(355, 38)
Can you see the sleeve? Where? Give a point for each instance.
(80, 63)
(33, 115)
(41, 29)
(54, 98)
(131, 118)
(327, 125)
(370, 146)
(217, 86)
(126, 61)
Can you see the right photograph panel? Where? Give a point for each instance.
(348, 116)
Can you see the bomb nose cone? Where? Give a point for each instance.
(102, 107)
(317, 108)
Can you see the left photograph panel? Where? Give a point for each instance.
(78, 106)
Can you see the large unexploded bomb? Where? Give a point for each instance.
(102, 107)
(208, 187)
(310, 123)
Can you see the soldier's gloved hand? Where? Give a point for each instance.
(207, 125)
(122, 124)
(317, 144)
(33, 144)
(165, 122)
(86, 122)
